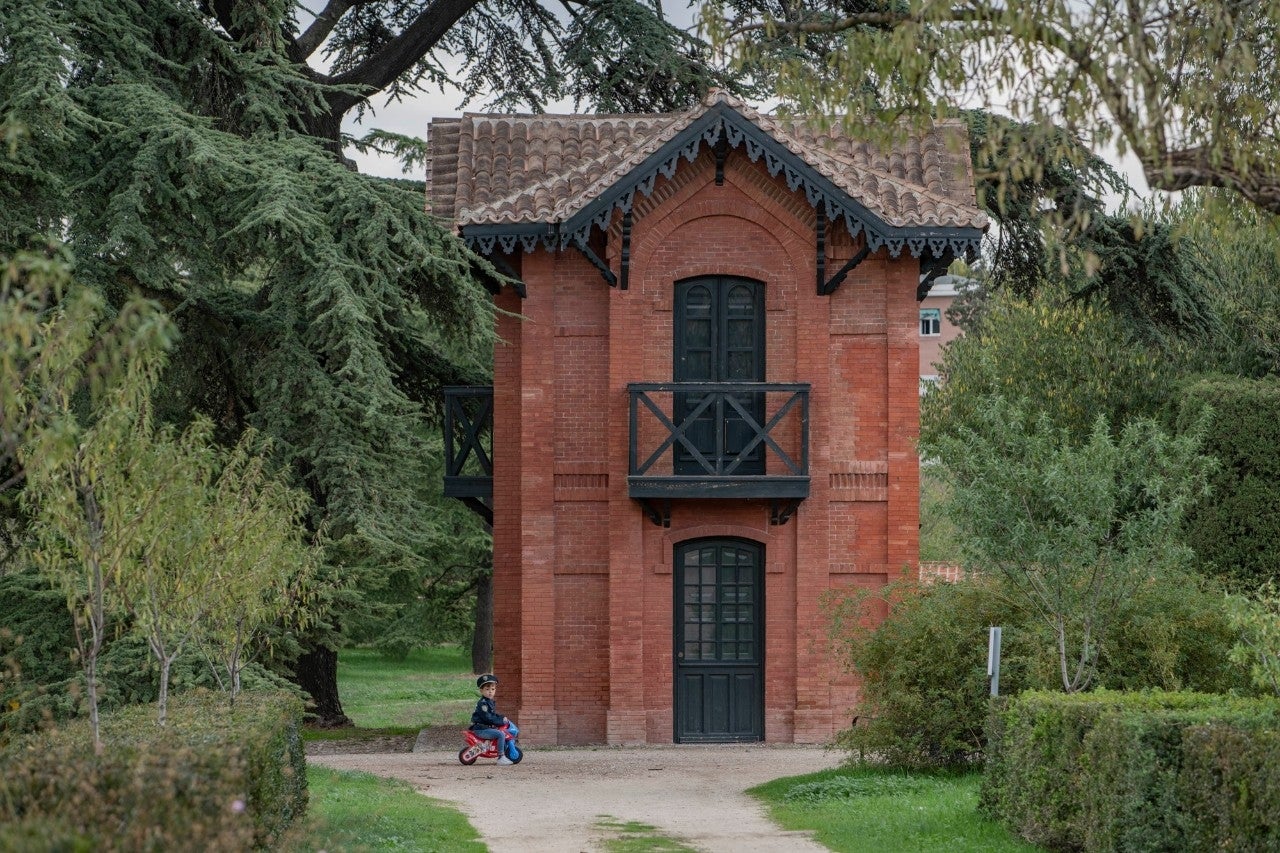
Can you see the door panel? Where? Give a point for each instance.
(719, 337)
(719, 660)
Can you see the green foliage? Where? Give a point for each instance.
(1189, 87)
(211, 779)
(1110, 771)
(923, 669)
(1234, 529)
(169, 150)
(431, 600)
(1257, 621)
(42, 684)
(1073, 361)
(937, 533)
(1073, 528)
(35, 654)
(1028, 192)
(1148, 276)
(1239, 253)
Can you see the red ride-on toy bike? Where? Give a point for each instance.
(478, 747)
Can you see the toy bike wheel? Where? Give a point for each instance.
(515, 753)
(467, 755)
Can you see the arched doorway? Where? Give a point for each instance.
(719, 641)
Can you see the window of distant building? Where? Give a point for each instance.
(930, 321)
(927, 381)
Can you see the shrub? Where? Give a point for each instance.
(213, 778)
(924, 684)
(1135, 771)
(923, 669)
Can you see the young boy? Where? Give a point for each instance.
(485, 719)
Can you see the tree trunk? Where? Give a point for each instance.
(317, 673)
(482, 636)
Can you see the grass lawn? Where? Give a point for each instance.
(869, 809)
(430, 687)
(352, 812)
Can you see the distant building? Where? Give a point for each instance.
(935, 329)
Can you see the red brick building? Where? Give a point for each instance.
(704, 408)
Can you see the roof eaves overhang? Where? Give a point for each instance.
(723, 120)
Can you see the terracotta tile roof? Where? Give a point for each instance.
(524, 169)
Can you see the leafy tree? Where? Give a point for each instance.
(1238, 247)
(89, 497)
(1074, 524)
(261, 565)
(1191, 88)
(165, 147)
(1073, 359)
(619, 55)
(221, 559)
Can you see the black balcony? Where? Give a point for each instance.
(688, 440)
(719, 440)
(468, 444)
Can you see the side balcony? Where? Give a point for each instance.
(468, 447)
(687, 441)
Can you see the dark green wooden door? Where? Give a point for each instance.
(719, 337)
(719, 641)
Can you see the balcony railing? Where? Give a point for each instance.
(719, 440)
(468, 444)
(699, 440)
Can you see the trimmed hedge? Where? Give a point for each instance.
(213, 778)
(1235, 528)
(1136, 771)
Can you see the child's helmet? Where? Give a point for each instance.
(487, 678)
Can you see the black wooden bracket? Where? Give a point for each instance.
(480, 508)
(829, 287)
(931, 267)
(605, 272)
(780, 511)
(722, 154)
(626, 251)
(658, 511)
(510, 272)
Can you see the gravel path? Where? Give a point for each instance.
(554, 800)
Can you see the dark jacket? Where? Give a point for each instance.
(486, 715)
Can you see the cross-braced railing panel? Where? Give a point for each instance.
(719, 429)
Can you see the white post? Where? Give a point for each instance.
(993, 660)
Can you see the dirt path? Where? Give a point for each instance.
(554, 799)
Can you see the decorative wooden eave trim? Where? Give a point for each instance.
(721, 122)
